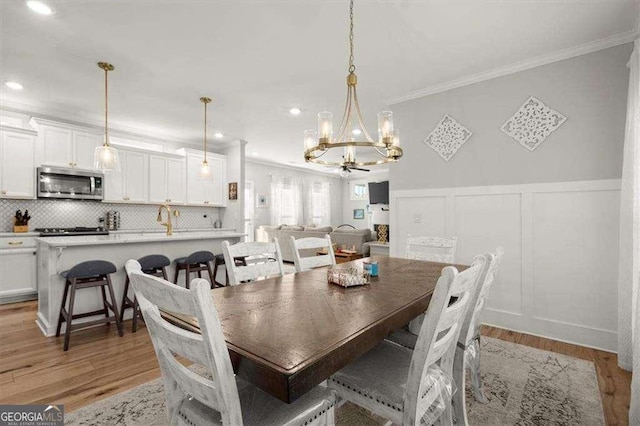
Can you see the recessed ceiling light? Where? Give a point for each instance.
(295, 111)
(14, 85)
(255, 153)
(218, 135)
(39, 7)
(356, 131)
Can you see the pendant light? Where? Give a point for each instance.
(105, 157)
(205, 170)
(352, 134)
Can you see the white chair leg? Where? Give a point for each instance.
(459, 408)
(474, 372)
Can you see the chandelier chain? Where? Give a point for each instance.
(352, 68)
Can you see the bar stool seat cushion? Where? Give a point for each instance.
(195, 258)
(88, 269)
(153, 261)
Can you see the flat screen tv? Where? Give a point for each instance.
(379, 192)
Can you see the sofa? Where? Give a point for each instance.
(343, 237)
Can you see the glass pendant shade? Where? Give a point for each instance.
(105, 158)
(325, 126)
(205, 171)
(385, 126)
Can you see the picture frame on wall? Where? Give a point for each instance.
(233, 190)
(358, 213)
(262, 201)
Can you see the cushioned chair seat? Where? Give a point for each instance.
(88, 269)
(153, 261)
(383, 385)
(404, 338)
(195, 258)
(260, 408)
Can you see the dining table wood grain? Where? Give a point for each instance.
(288, 334)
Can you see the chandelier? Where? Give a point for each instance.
(105, 157)
(385, 150)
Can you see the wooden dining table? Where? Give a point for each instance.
(288, 334)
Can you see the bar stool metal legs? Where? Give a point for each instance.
(88, 275)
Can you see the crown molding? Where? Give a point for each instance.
(86, 123)
(300, 168)
(527, 64)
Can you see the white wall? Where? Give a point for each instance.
(559, 269)
(260, 175)
(349, 205)
(554, 210)
(233, 214)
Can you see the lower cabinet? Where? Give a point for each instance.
(18, 274)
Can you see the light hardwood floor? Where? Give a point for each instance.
(34, 369)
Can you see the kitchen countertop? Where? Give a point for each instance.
(162, 229)
(132, 238)
(19, 234)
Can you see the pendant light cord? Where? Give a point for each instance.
(106, 107)
(205, 132)
(352, 68)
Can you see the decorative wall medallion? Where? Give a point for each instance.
(532, 123)
(447, 138)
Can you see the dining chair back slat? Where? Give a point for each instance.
(313, 261)
(207, 348)
(438, 336)
(262, 259)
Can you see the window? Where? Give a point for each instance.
(358, 190)
(318, 203)
(286, 198)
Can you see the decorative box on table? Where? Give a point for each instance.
(348, 277)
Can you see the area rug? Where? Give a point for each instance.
(525, 387)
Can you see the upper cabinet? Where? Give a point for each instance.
(210, 191)
(131, 183)
(167, 179)
(17, 163)
(65, 146)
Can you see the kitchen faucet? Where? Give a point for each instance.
(168, 222)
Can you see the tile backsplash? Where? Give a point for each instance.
(70, 213)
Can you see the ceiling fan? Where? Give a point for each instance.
(348, 168)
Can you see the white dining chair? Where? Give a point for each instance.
(261, 260)
(315, 260)
(216, 397)
(468, 347)
(430, 249)
(410, 387)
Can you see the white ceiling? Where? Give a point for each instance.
(257, 59)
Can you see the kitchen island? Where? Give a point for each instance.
(56, 254)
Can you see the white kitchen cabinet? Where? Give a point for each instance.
(84, 147)
(210, 191)
(18, 269)
(167, 179)
(61, 145)
(17, 163)
(131, 183)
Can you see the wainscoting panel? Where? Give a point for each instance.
(575, 257)
(558, 277)
(421, 216)
(486, 222)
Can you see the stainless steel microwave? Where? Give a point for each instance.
(70, 183)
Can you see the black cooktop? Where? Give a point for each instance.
(78, 230)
